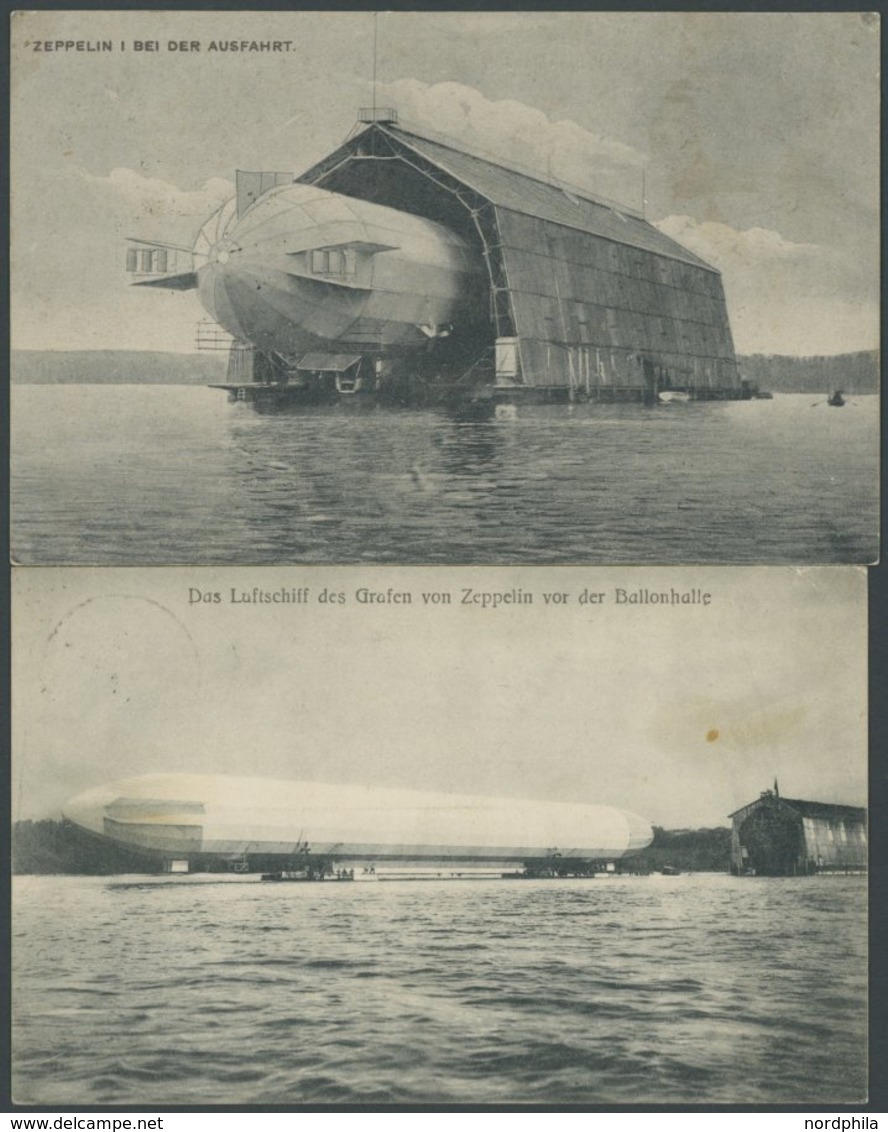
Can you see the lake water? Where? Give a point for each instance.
(701, 989)
(136, 474)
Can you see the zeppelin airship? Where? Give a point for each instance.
(201, 818)
(304, 267)
(323, 293)
(406, 267)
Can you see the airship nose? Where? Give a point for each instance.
(88, 809)
(221, 252)
(641, 833)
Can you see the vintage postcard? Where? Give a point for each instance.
(492, 836)
(391, 337)
(445, 287)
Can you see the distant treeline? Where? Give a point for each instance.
(852, 373)
(689, 850)
(116, 367)
(52, 847)
(58, 847)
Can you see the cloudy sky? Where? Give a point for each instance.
(681, 714)
(757, 134)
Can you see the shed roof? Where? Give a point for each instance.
(826, 810)
(829, 811)
(521, 192)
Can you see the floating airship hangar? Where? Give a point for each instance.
(402, 264)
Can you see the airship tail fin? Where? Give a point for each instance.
(187, 281)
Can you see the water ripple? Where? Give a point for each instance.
(184, 477)
(417, 993)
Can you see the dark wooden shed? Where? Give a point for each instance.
(776, 836)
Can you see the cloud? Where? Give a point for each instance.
(784, 297)
(728, 248)
(152, 196)
(85, 301)
(517, 134)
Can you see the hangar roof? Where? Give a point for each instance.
(521, 192)
(828, 811)
(517, 191)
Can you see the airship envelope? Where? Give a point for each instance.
(189, 815)
(303, 267)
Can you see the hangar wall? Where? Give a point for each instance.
(591, 313)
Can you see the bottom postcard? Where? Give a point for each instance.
(412, 836)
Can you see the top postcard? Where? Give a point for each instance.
(444, 287)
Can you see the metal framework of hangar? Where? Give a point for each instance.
(584, 296)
